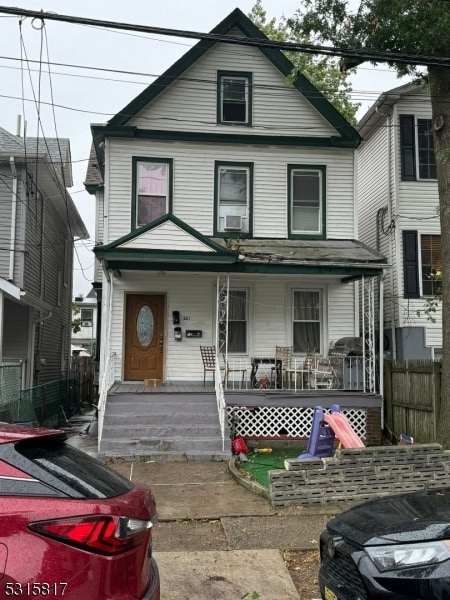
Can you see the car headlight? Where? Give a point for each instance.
(403, 556)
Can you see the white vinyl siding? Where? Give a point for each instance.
(182, 107)
(193, 181)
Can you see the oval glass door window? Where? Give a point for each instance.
(145, 326)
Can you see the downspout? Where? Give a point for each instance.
(12, 244)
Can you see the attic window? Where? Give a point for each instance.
(234, 105)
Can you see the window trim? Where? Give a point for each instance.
(320, 235)
(322, 322)
(233, 234)
(134, 199)
(249, 97)
(409, 148)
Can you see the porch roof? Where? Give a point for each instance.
(139, 251)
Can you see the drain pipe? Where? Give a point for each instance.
(12, 243)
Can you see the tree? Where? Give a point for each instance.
(76, 321)
(413, 28)
(323, 73)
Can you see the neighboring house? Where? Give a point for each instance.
(38, 226)
(86, 312)
(398, 215)
(226, 215)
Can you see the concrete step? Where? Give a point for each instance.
(149, 446)
(161, 418)
(164, 430)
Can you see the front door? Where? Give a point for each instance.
(144, 337)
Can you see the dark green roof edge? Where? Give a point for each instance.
(238, 19)
(100, 132)
(100, 251)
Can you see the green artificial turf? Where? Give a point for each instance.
(260, 463)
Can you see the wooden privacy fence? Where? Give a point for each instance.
(82, 370)
(412, 396)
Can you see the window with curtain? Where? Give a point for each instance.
(306, 199)
(237, 321)
(430, 248)
(152, 191)
(307, 321)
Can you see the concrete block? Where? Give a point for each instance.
(293, 464)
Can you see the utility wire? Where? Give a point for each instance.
(412, 59)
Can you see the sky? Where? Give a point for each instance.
(85, 95)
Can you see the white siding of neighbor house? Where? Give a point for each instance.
(99, 230)
(190, 104)
(194, 296)
(193, 176)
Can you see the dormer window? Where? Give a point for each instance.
(234, 98)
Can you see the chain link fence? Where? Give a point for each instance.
(49, 405)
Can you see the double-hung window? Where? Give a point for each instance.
(425, 145)
(87, 317)
(418, 160)
(152, 189)
(430, 247)
(237, 321)
(306, 188)
(233, 190)
(307, 321)
(234, 98)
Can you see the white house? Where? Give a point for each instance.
(398, 216)
(85, 309)
(227, 216)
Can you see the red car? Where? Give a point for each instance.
(70, 527)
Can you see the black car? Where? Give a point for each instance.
(392, 547)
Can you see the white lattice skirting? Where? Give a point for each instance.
(283, 422)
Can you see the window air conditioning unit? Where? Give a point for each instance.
(233, 222)
(86, 324)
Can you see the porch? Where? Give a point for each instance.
(169, 421)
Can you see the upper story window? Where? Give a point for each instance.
(152, 189)
(417, 149)
(233, 185)
(87, 317)
(306, 188)
(234, 98)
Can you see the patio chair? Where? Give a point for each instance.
(232, 369)
(301, 368)
(283, 356)
(323, 374)
(209, 361)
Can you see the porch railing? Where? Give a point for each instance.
(106, 382)
(221, 405)
(320, 373)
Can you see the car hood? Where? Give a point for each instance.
(410, 517)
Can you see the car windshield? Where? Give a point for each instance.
(81, 473)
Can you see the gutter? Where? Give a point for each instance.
(12, 243)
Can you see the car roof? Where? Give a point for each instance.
(12, 432)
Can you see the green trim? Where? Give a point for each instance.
(135, 160)
(183, 258)
(233, 234)
(243, 75)
(238, 19)
(308, 236)
(239, 267)
(100, 132)
(217, 248)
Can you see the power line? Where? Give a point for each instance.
(412, 59)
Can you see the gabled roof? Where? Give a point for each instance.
(378, 112)
(237, 19)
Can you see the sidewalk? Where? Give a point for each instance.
(215, 540)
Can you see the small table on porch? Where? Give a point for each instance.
(256, 362)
